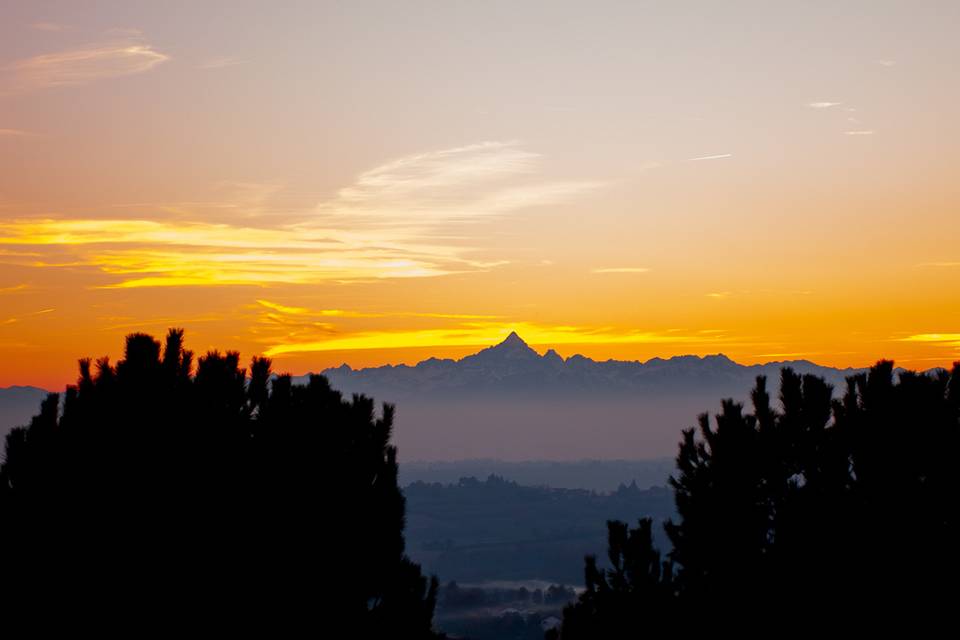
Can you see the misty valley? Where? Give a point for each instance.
(510, 555)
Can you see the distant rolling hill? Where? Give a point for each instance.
(17, 406)
(509, 402)
(591, 475)
(489, 530)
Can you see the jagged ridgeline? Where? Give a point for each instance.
(154, 488)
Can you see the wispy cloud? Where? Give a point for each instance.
(235, 203)
(50, 26)
(850, 119)
(621, 270)
(220, 62)
(15, 288)
(403, 219)
(346, 313)
(141, 253)
(484, 333)
(32, 314)
(285, 328)
(791, 354)
(945, 265)
(943, 339)
(462, 183)
(887, 63)
(16, 133)
(82, 66)
(719, 156)
(283, 308)
(757, 293)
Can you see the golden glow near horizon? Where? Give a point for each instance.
(358, 185)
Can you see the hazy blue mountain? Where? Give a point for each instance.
(591, 475)
(512, 367)
(510, 402)
(17, 406)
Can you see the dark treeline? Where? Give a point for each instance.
(828, 508)
(217, 496)
(495, 529)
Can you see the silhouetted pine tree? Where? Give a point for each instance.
(822, 510)
(637, 587)
(175, 498)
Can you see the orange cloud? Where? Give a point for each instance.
(388, 224)
(945, 339)
(487, 333)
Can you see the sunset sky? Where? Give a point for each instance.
(381, 182)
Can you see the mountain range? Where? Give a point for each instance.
(514, 367)
(510, 402)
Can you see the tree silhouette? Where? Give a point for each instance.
(638, 585)
(176, 495)
(824, 509)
